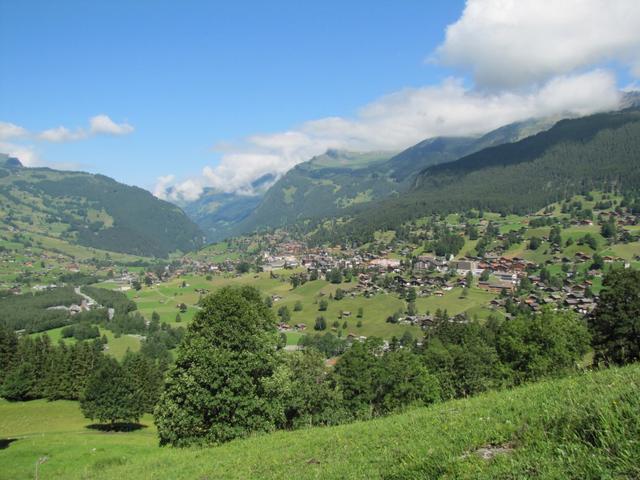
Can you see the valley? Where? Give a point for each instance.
(332, 315)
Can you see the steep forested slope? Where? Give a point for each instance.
(92, 210)
(596, 152)
(337, 181)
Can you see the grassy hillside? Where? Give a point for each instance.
(91, 210)
(581, 427)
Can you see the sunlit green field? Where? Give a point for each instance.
(586, 426)
(117, 347)
(165, 298)
(475, 303)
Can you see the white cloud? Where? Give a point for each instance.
(184, 191)
(25, 153)
(397, 121)
(510, 43)
(103, 124)
(162, 183)
(528, 58)
(10, 130)
(62, 134)
(98, 125)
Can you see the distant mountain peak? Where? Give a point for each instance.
(630, 99)
(9, 161)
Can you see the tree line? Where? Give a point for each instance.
(108, 390)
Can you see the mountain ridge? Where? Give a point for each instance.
(92, 210)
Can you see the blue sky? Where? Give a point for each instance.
(190, 74)
(218, 93)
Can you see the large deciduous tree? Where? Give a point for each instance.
(616, 321)
(216, 391)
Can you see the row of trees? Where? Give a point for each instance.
(109, 391)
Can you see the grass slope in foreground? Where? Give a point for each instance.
(582, 427)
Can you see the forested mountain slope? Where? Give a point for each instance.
(596, 152)
(91, 210)
(332, 183)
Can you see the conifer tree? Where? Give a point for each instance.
(110, 396)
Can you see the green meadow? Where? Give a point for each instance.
(165, 298)
(581, 427)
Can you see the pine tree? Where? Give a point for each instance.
(145, 377)
(110, 396)
(8, 350)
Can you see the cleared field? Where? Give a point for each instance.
(475, 303)
(117, 347)
(164, 299)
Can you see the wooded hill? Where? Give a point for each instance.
(600, 152)
(92, 210)
(332, 183)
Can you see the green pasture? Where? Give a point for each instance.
(584, 426)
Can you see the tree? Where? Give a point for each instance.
(145, 377)
(360, 313)
(243, 267)
(323, 305)
(555, 236)
(136, 285)
(615, 323)
(284, 314)
(335, 276)
(339, 294)
(608, 229)
(598, 262)
(216, 391)
(19, 383)
(321, 323)
(111, 397)
(8, 349)
(301, 392)
(484, 276)
(534, 243)
(547, 344)
(469, 279)
(411, 295)
(355, 375)
(298, 306)
(155, 316)
(403, 380)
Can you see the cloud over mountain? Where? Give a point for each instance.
(397, 121)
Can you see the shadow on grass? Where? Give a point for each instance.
(116, 427)
(5, 442)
